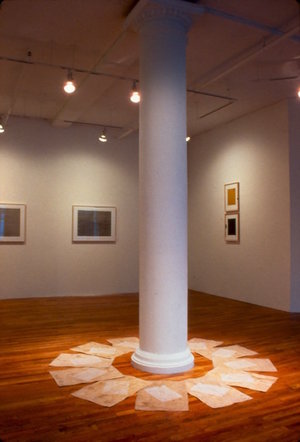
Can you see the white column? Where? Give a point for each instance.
(163, 195)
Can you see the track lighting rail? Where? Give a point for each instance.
(104, 74)
(66, 68)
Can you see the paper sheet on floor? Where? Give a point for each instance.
(80, 360)
(239, 378)
(215, 395)
(84, 375)
(125, 345)
(198, 345)
(164, 396)
(248, 364)
(229, 352)
(111, 392)
(94, 348)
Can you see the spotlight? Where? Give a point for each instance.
(187, 139)
(2, 128)
(135, 95)
(69, 86)
(103, 137)
(298, 92)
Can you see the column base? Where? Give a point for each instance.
(162, 363)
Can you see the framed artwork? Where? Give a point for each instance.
(232, 227)
(94, 224)
(232, 197)
(12, 223)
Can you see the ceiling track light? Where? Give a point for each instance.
(69, 86)
(103, 137)
(2, 125)
(135, 95)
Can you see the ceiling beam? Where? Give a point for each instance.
(247, 55)
(251, 23)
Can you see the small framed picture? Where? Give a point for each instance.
(12, 223)
(94, 224)
(232, 197)
(232, 228)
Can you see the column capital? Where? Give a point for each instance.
(148, 10)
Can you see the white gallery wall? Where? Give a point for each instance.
(254, 151)
(50, 169)
(294, 143)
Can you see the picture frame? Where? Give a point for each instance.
(232, 227)
(94, 224)
(232, 197)
(12, 223)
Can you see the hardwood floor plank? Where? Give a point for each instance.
(33, 408)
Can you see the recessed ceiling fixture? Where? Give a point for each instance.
(69, 86)
(298, 92)
(103, 137)
(135, 95)
(187, 139)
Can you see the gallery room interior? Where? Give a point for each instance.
(150, 220)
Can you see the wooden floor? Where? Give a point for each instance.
(34, 408)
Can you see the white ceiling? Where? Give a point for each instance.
(241, 55)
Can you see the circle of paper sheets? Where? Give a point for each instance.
(92, 364)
